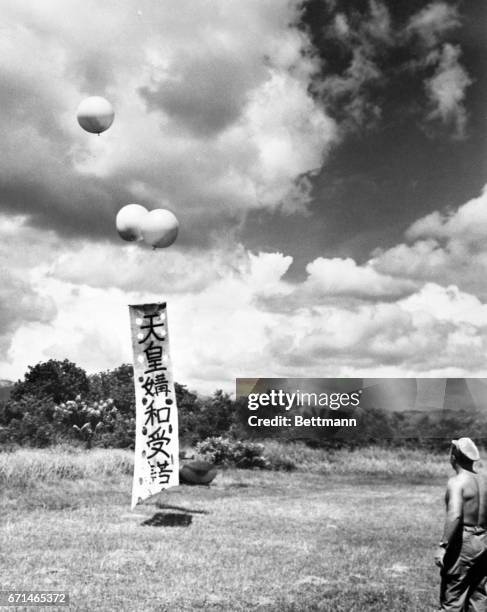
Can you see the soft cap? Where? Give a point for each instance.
(467, 447)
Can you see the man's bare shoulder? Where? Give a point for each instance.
(464, 478)
(456, 482)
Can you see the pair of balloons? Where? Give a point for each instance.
(95, 114)
(157, 228)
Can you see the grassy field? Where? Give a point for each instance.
(351, 531)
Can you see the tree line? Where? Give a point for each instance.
(57, 402)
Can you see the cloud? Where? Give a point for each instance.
(448, 304)
(20, 305)
(235, 313)
(289, 137)
(343, 277)
(340, 26)
(447, 247)
(204, 90)
(379, 25)
(212, 119)
(373, 55)
(446, 90)
(87, 329)
(432, 22)
(133, 268)
(466, 224)
(348, 92)
(372, 25)
(351, 91)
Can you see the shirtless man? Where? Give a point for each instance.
(462, 552)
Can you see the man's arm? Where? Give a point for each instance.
(454, 510)
(453, 520)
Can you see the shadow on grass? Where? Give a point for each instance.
(169, 519)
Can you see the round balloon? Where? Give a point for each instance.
(159, 228)
(129, 221)
(95, 114)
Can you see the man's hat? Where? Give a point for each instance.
(467, 447)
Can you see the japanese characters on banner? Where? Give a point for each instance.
(156, 465)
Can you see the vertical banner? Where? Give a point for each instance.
(156, 465)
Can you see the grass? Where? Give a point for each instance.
(346, 532)
(26, 467)
(375, 461)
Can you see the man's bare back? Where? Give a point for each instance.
(472, 487)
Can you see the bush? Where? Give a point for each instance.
(29, 421)
(98, 423)
(283, 456)
(241, 454)
(58, 380)
(204, 418)
(118, 385)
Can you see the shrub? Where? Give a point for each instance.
(241, 454)
(118, 385)
(29, 421)
(283, 456)
(58, 380)
(96, 422)
(204, 418)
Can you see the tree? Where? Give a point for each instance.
(217, 416)
(30, 420)
(189, 410)
(59, 380)
(118, 385)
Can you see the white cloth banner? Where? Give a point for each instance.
(156, 464)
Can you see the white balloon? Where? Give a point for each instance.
(129, 220)
(95, 114)
(159, 228)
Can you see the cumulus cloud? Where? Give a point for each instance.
(448, 247)
(21, 305)
(467, 223)
(235, 313)
(227, 328)
(343, 277)
(448, 304)
(212, 119)
(135, 268)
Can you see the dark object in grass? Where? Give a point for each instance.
(197, 473)
(169, 519)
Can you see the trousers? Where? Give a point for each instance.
(464, 575)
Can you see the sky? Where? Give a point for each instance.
(326, 161)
